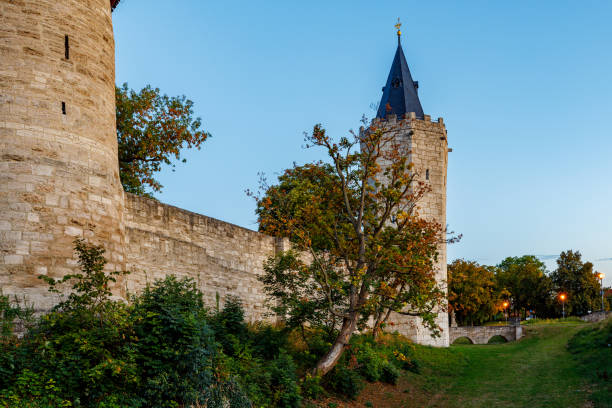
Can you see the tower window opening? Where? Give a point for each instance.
(63, 107)
(66, 47)
(427, 174)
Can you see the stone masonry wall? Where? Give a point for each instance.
(482, 334)
(59, 176)
(222, 258)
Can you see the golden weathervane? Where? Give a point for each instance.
(398, 26)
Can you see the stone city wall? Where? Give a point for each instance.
(221, 257)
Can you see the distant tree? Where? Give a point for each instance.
(151, 131)
(608, 298)
(366, 250)
(473, 294)
(578, 281)
(526, 280)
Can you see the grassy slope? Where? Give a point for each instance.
(592, 347)
(538, 371)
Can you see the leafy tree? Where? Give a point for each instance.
(367, 252)
(577, 280)
(526, 280)
(151, 131)
(473, 294)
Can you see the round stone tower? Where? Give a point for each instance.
(59, 175)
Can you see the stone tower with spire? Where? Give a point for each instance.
(401, 112)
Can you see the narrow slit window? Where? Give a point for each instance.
(427, 174)
(66, 47)
(64, 107)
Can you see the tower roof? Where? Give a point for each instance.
(400, 93)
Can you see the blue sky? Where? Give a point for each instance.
(524, 88)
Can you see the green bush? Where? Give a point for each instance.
(370, 362)
(389, 374)
(345, 382)
(174, 346)
(268, 340)
(229, 326)
(284, 382)
(31, 390)
(311, 387)
(80, 345)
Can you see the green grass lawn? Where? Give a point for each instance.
(537, 371)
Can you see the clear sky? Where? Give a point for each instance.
(524, 89)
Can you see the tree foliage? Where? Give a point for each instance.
(526, 280)
(578, 281)
(473, 292)
(367, 251)
(151, 131)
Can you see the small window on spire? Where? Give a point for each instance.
(63, 107)
(427, 174)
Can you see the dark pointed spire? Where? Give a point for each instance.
(400, 93)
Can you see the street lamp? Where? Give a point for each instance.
(600, 275)
(505, 304)
(562, 297)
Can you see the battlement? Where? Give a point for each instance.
(409, 119)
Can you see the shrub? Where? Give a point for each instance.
(229, 326)
(345, 382)
(83, 351)
(370, 362)
(81, 344)
(31, 390)
(286, 391)
(311, 387)
(174, 345)
(268, 340)
(389, 374)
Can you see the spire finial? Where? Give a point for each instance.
(399, 32)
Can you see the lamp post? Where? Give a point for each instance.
(562, 297)
(505, 304)
(600, 275)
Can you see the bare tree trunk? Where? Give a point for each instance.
(329, 360)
